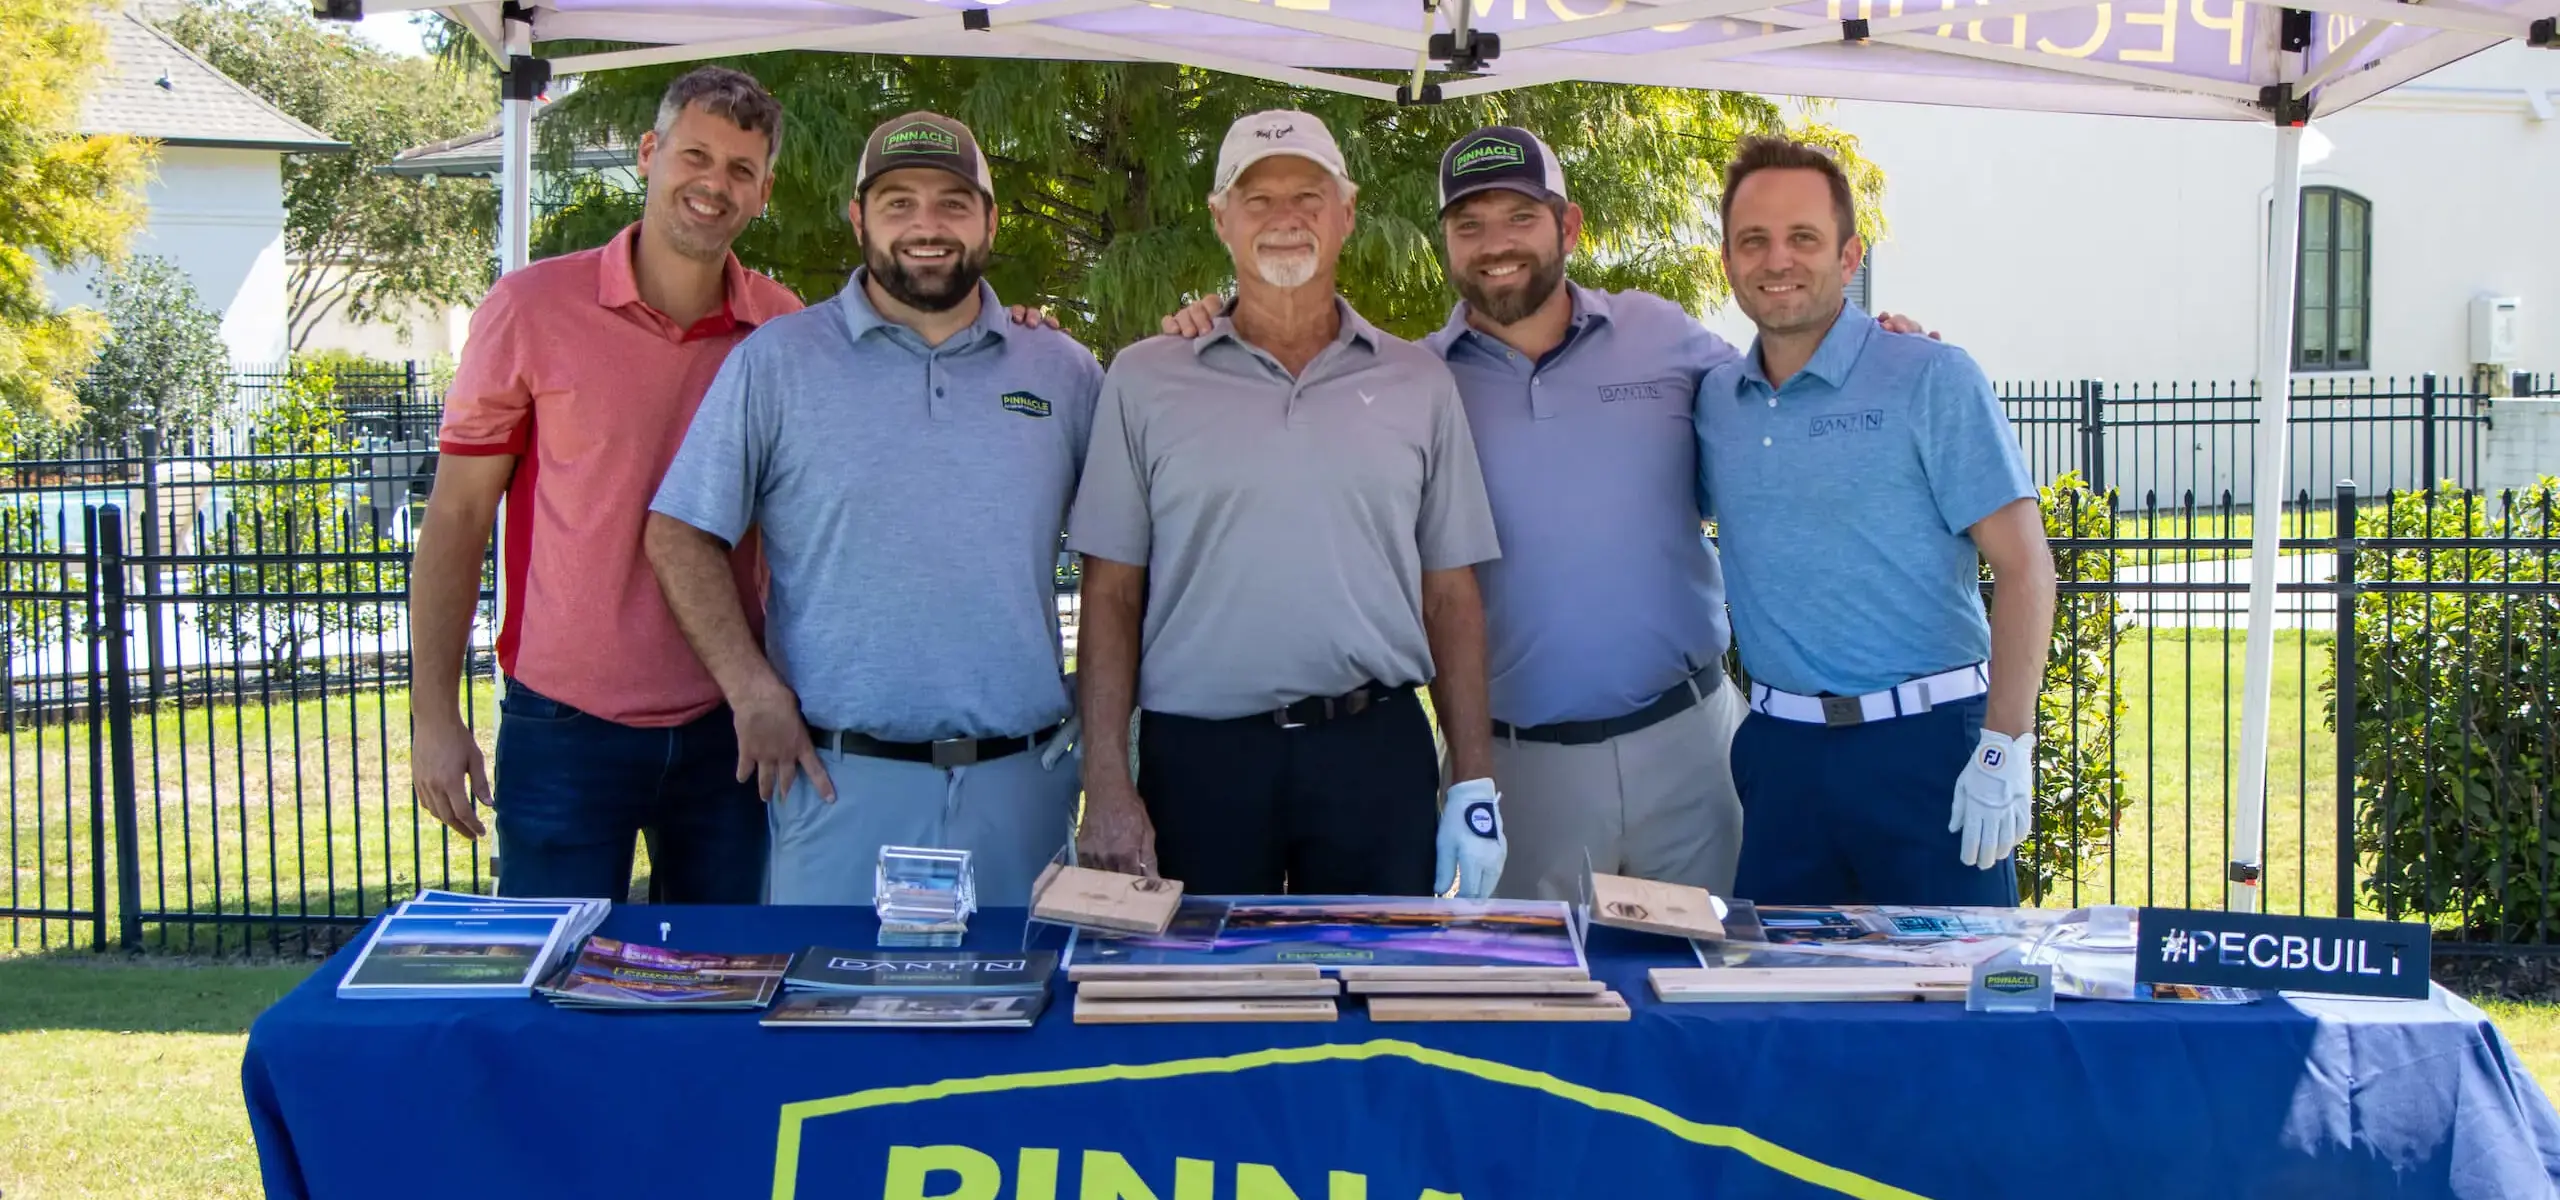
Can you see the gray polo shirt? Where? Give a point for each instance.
(1608, 594)
(909, 498)
(1285, 523)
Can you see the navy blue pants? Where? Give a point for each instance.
(574, 790)
(1858, 814)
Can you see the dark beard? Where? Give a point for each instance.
(1544, 278)
(921, 292)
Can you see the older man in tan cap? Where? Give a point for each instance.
(1280, 521)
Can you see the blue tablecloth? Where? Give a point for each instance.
(2330, 1099)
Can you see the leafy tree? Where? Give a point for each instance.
(1101, 170)
(64, 198)
(164, 363)
(361, 243)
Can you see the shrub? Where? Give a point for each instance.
(2080, 793)
(2455, 730)
(164, 363)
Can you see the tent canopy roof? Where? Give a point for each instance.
(2210, 59)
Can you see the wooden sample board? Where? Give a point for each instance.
(1606, 1006)
(1206, 989)
(1081, 972)
(1760, 985)
(1174, 1012)
(1451, 974)
(1648, 906)
(1106, 900)
(1476, 987)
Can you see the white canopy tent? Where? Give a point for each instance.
(2282, 64)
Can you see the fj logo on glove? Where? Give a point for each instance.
(1480, 819)
(1992, 758)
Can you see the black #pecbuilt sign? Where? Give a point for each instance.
(2271, 953)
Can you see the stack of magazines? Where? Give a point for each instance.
(923, 896)
(612, 974)
(914, 989)
(447, 944)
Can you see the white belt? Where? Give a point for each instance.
(1900, 700)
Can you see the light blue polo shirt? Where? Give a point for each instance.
(910, 500)
(1607, 593)
(1843, 499)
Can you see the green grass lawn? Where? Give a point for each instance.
(2211, 524)
(2178, 748)
(241, 809)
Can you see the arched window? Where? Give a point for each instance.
(2333, 305)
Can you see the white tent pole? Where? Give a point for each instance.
(515, 162)
(2266, 514)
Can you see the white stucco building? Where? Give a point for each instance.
(217, 198)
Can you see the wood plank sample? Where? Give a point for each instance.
(1692, 985)
(1445, 974)
(1205, 989)
(1476, 987)
(1174, 1012)
(1106, 900)
(1607, 1006)
(1081, 972)
(1649, 906)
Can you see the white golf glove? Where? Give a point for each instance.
(1471, 843)
(1994, 799)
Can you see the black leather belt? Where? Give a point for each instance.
(1316, 710)
(946, 753)
(1585, 733)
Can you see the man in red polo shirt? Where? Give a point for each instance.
(580, 378)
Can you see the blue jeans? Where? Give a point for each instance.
(574, 790)
(1858, 814)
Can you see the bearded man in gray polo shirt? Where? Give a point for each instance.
(1279, 521)
(907, 455)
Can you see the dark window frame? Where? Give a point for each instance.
(2332, 316)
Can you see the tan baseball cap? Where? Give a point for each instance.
(923, 139)
(1278, 131)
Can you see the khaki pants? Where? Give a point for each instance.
(1658, 803)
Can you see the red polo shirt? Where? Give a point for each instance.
(592, 390)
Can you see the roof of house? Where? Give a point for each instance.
(477, 154)
(156, 88)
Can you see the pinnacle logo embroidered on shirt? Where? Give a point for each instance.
(1025, 403)
(1856, 422)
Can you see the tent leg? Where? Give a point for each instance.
(2266, 507)
(515, 163)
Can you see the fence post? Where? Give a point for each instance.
(2427, 434)
(115, 634)
(92, 627)
(2093, 433)
(154, 653)
(408, 397)
(2345, 719)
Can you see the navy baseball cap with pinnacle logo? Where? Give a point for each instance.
(923, 139)
(1499, 156)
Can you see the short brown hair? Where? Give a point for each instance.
(734, 95)
(1766, 153)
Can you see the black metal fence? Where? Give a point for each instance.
(206, 724)
(2163, 441)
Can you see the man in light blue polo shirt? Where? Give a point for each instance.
(907, 455)
(1858, 478)
(1605, 619)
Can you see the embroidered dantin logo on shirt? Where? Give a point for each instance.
(1856, 422)
(1613, 393)
(1026, 404)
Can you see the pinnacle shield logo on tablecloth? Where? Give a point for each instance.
(919, 138)
(1491, 154)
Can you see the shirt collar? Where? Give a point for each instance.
(742, 303)
(1355, 328)
(1590, 308)
(861, 318)
(1833, 359)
